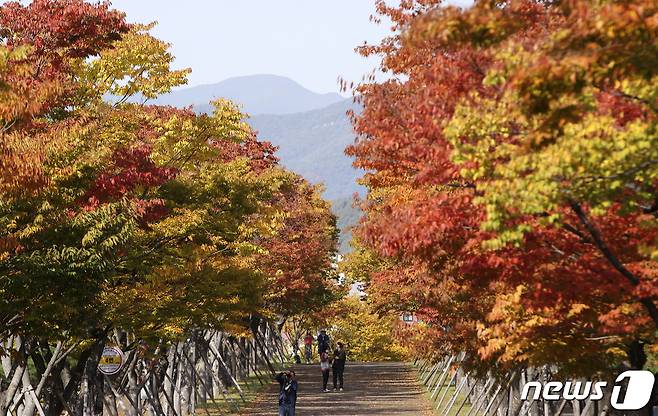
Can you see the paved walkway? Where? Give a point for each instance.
(370, 389)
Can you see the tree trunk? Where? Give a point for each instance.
(133, 387)
(16, 370)
(168, 380)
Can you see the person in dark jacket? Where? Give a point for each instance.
(338, 367)
(323, 341)
(287, 393)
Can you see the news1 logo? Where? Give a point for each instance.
(638, 390)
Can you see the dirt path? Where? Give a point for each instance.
(370, 389)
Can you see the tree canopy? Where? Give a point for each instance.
(115, 213)
(511, 168)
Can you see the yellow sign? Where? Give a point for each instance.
(111, 361)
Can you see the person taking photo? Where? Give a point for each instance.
(287, 393)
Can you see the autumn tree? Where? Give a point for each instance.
(510, 182)
(367, 336)
(120, 217)
(300, 255)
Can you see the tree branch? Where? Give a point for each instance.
(610, 256)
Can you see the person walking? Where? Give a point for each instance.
(338, 367)
(323, 341)
(324, 367)
(308, 346)
(293, 393)
(287, 393)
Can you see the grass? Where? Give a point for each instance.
(231, 402)
(453, 410)
(446, 400)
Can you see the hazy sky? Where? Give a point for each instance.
(310, 41)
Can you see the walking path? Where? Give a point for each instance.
(370, 389)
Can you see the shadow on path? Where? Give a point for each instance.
(370, 389)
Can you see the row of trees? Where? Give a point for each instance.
(512, 162)
(351, 320)
(120, 216)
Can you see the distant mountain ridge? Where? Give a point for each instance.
(311, 130)
(258, 94)
(313, 144)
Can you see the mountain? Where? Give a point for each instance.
(258, 94)
(348, 216)
(311, 130)
(313, 144)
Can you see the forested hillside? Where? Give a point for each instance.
(348, 216)
(312, 144)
